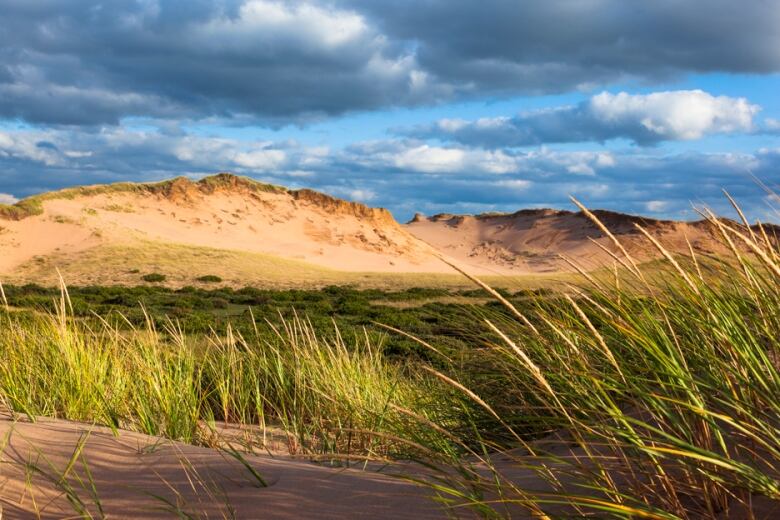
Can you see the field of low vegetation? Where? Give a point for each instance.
(647, 394)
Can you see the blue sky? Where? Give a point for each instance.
(425, 105)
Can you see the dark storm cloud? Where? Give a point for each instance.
(85, 63)
(403, 175)
(553, 46)
(81, 62)
(644, 119)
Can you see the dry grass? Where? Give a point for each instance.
(182, 265)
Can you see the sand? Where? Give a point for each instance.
(138, 476)
(533, 241)
(130, 470)
(306, 227)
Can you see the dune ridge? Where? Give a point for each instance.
(534, 240)
(304, 230)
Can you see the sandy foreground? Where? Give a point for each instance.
(137, 476)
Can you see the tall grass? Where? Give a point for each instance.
(659, 392)
(329, 397)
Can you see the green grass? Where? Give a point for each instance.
(209, 278)
(330, 397)
(21, 210)
(154, 278)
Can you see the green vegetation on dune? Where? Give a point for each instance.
(22, 209)
(32, 206)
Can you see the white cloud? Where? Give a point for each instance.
(435, 159)
(514, 184)
(362, 195)
(28, 145)
(643, 118)
(6, 198)
(319, 25)
(260, 159)
(656, 206)
(575, 162)
(676, 115)
(431, 159)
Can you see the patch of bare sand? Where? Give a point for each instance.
(137, 476)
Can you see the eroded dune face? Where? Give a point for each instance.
(533, 241)
(222, 212)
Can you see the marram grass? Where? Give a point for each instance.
(662, 395)
(329, 398)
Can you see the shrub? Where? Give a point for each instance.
(154, 277)
(209, 278)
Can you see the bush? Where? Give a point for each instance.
(209, 278)
(154, 277)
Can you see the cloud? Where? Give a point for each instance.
(6, 198)
(404, 175)
(645, 119)
(275, 62)
(656, 206)
(538, 46)
(258, 60)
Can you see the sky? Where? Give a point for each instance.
(648, 107)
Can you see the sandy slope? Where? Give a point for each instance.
(231, 215)
(533, 240)
(135, 475)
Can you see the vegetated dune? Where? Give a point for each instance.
(533, 241)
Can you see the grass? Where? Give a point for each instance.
(650, 393)
(154, 278)
(209, 278)
(661, 396)
(325, 395)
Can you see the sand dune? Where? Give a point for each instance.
(101, 234)
(532, 241)
(223, 212)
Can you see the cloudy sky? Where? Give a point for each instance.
(416, 105)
